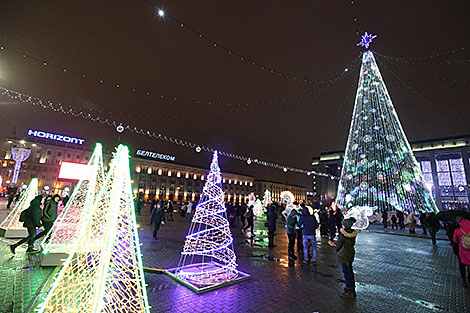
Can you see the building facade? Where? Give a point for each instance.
(154, 175)
(445, 164)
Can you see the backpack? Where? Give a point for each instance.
(24, 215)
(292, 220)
(465, 241)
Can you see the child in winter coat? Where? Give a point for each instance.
(345, 249)
(461, 237)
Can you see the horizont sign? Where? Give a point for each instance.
(56, 137)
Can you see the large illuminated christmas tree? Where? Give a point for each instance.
(208, 258)
(76, 212)
(379, 170)
(104, 271)
(11, 226)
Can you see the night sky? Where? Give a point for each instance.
(285, 121)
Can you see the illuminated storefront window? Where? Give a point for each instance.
(452, 181)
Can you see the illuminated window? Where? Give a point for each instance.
(160, 171)
(452, 181)
(169, 173)
(194, 176)
(178, 174)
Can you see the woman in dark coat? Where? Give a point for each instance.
(272, 217)
(332, 227)
(346, 253)
(31, 222)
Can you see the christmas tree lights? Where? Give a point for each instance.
(258, 208)
(77, 211)
(267, 198)
(208, 260)
(104, 272)
(11, 226)
(379, 169)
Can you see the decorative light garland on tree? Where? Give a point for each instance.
(104, 272)
(380, 170)
(267, 198)
(11, 227)
(208, 244)
(78, 209)
(120, 127)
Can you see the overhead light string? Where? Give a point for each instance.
(122, 126)
(242, 58)
(344, 72)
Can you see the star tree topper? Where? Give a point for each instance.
(366, 40)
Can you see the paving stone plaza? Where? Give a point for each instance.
(395, 272)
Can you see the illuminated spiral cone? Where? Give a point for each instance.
(11, 226)
(208, 259)
(104, 271)
(76, 212)
(379, 169)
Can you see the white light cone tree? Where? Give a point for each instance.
(79, 207)
(11, 227)
(209, 239)
(379, 169)
(267, 198)
(104, 272)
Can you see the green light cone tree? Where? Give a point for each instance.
(104, 272)
(379, 169)
(78, 209)
(11, 226)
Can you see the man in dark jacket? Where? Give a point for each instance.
(11, 191)
(49, 216)
(331, 227)
(338, 218)
(32, 220)
(401, 219)
(432, 223)
(423, 221)
(272, 217)
(346, 252)
(385, 218)
(309, 224)
(156, 218)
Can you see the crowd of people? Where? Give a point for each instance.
(301, 226)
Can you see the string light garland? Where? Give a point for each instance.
(122, 126)
(173, 99)
(379, 169)
(11, 225)
(208, 258)
(441, 78)
(242, 58)
(407, 88)
(430, 59)
(104, 271)
(78, 209)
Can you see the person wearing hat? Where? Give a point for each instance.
(346, 252)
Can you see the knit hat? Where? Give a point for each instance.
(349, 222)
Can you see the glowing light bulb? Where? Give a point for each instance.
(161, 13)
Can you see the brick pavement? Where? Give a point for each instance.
(393, 273)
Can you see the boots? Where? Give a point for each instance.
(349, 293)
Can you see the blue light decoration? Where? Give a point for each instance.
(208, 261)
(366, 40)
(387, 177)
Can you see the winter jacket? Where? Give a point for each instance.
(272, 217)
(345, 248)
(458, 234)
(33, 216)
(157, 216)
(400, 216)
(323, 217)
(292, 221)
(50, 211)
(331, 221)
(308, 222)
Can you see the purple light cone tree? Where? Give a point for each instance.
(208, 257)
